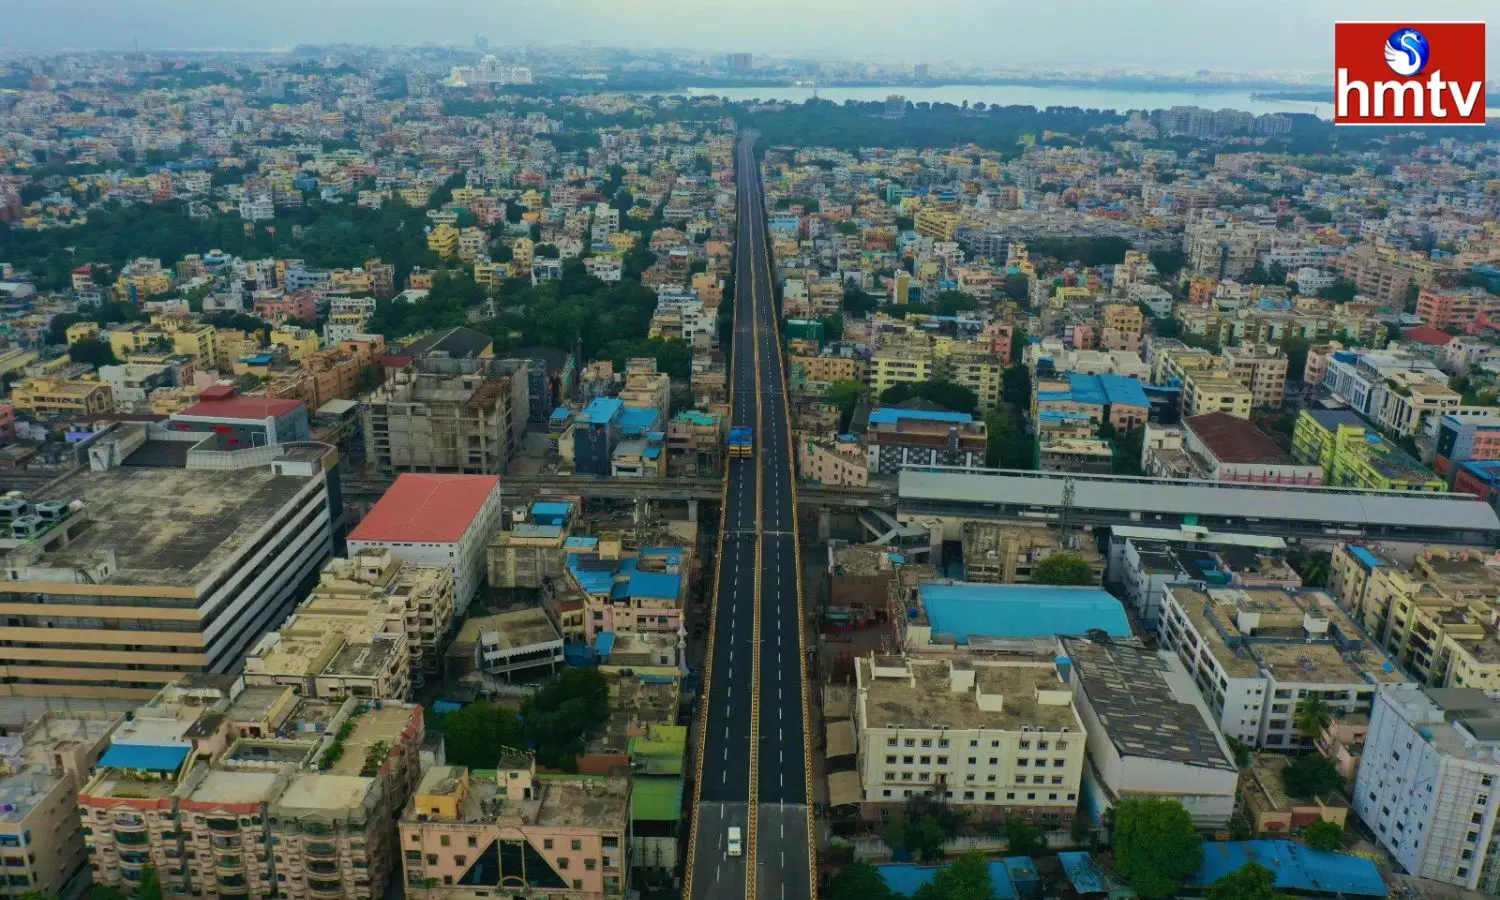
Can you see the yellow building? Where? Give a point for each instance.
(1212, 391)
(938, 224)
(1430, 617)
(80, 331)
(523, 251)
(42, 397)
(299, 342)
(974, 368)
(1352, 456)
(903, 364)
(443, 240)
(830, 368)
(190, 339)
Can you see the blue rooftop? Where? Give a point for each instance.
(1100, 390)
(581, 543)
(638, 420)
(601, 410)
(1296, 868)
(1487, 470)
(562, 412)
(604, 642)
(1085, 874)
(963, 609)
(907, 878)
(1365, 557)
(146, 757)
(888, 415)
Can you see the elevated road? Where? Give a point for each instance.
(370, 487)
(752, 768)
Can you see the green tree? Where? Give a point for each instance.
(473, 735)
(1295, 346)
(1251, 881)
(857, 303)
(1323, 835)
(1063, 569)
(1313, 568)
(951, 303)
(1311, 775)
(1156, 846)
(845, 395)
(1005, 447)
(967, 878)
(1017, 288)
(150, 888)
(1168, 262)
(92, 351)
(1015, 386)
(1024, 839)
(1341, 291)
(1243, 755)
(946, 394)
(561, 717)
(1310, 717)
(858, 881)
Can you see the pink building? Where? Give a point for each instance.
(999, 335)
(629, 594)
(512, 830)
(299, 305)
(1081, 337)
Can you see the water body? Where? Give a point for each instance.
(1039, 96)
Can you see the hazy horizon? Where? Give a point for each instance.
(1165, 35)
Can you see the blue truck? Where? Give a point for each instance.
(741, 441)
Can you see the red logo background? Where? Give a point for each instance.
(1457, 51)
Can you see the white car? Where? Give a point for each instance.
(736, 846)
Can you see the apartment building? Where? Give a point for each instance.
(531, 552)
(840, 462)
(99, 605)
(1386, 274)
(935, 223)
(829, 368)
(1353, 456)
(62, 397)
(1463, 438)
(1205, 393)
(443, 240)
(436, 520)
(1454, 308)
(975, 368)
(448, 415)
(234, 791)
(1123, 324)
(1149, 732)
(1256, 653)
(467, 831)
(41, 769)
(1115, 399)
(1427, 783)
(1437, 618)
(1224, 249)
(897, 437)
(904, 362)
(1262, 369)
(994, 740)
(1007, 554)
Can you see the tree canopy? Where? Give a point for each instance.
(967, 878)
(946, 394)
(858, 881)
(1323, 835)
(556, 722)
(1251, 881)
(1063, 569)
(1311, 775)
(1156, 846)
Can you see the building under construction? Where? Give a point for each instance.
(465, 416)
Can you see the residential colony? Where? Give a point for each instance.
(250, 726)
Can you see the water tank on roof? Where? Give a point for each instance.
(52, 510)
(26, 527)
(12, 507)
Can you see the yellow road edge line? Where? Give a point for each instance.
(753, 799)
(708, 659)
(812, 839)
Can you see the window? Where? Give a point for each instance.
(589, 864)
(562, 862)
(1031, 796)
(973, 760)
(926, 742)
(1463, 871)
(942, 760)
(1057, 779)
(926, 760)
(886, 792)
(994, 761)
(973, 743)
(890, 760)
(1038, 779)
(473, 841)
(890, 776)
(1025, 745)
(546, 843)
(1020, 779)
(1041, 745)
(908, 760)
(890, 742)
(909, 742)
(1010, 795)
(577, 844)
(968, 795)
(942, 743)
(989, 795)
(1023, 762)
(1059, 763)
(578, 884)
(443, 840)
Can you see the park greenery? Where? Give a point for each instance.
(556, 722)
(1063, 569)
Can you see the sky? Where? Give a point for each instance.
(1169, 35)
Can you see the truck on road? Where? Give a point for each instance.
(741, 442)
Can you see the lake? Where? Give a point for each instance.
(1039, 96)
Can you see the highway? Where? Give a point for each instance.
(752, 769)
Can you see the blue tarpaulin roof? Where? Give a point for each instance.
(907, 879)
(1295, 867)
(148, 757)
(962, 609)
(1367, 558)
(604, 643)
(1087, 878)
(602, 410)
(888, 415)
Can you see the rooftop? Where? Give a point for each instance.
(239, 406)
(1146, 706)
(424, 508)
(511, 629)
(1235, 440)
(919, 693)
(199, 520)
(963, 609)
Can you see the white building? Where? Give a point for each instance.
(995, 739)
(257, 208)
(1142, 560)
(1256, 653)
(1149, 733)
(1153, 297)
(439, 520)
(1399, 391)
(1427, 783)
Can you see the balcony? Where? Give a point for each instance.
(325, 888)
(224, 826)
(323, 849)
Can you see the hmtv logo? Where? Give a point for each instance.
(1393, 73)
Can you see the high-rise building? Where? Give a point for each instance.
(740, 62)
(166, 556)
(1427, 783)
(448, 415)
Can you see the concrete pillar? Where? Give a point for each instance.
(825, 524)
(692, 510)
